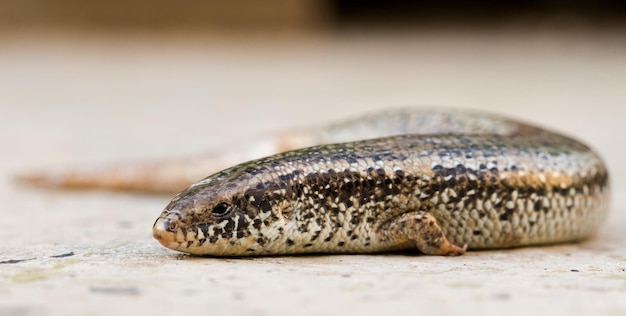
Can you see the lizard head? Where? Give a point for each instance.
(228, 213)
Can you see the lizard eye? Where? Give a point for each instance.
(220, 209)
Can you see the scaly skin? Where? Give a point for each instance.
(447, 181)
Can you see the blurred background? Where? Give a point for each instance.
(299, 15)
(101, 80)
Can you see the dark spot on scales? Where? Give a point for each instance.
(330, 236)
(506, 215)
(315, 235)
(230, 225)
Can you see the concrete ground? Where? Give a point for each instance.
(88, 100)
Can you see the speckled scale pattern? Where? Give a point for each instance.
(483, 181)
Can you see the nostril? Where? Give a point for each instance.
(166, 224)
(165, 230)
(172, 225)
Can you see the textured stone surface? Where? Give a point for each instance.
(67, 101)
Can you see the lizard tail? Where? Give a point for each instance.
(153, 177)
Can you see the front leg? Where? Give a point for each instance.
(421, 228)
